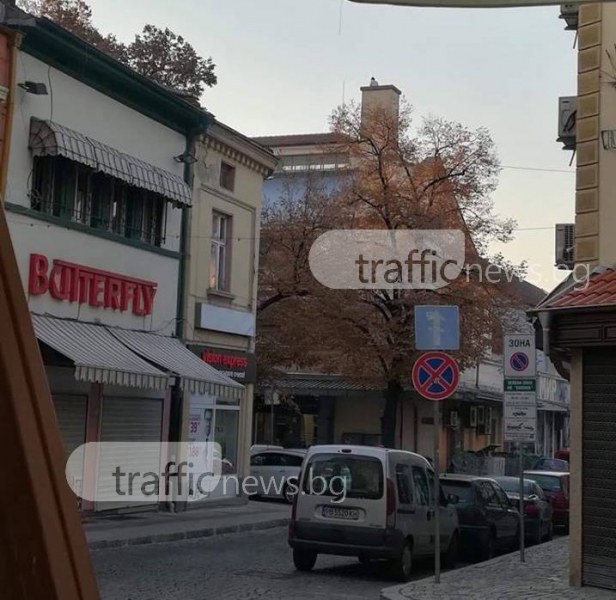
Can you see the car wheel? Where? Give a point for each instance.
(451, 558)
(288, 493)
(402, 566)
(539, 535)
(304, 560)
(550, 534)
(515, 545)
(489, 550)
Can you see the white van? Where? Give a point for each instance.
(372, 503)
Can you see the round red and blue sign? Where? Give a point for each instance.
(519, 361)
(435, 375)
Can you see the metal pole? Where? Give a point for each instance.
(522, 558)
(272, 421)
(437, 495)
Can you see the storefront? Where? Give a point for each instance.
(95, 199)
(219, 419)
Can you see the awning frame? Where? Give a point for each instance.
(52, 139)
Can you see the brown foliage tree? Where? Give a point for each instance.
(438, 176)
(156, 53)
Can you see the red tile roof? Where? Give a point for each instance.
(597, 290)
(302, 139)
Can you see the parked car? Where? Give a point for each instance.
(537, 509)
(262, 447)
(555, 486)
(551, 464)
(488, 522)
(276, 472)
(373, 503)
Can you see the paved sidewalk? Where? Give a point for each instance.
(148, 528)
(544, 576)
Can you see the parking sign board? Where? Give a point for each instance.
(520, 389)
(520, 355)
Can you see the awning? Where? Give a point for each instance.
(98, 355)
(51, 139)
(171, 355)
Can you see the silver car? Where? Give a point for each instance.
(275, 472)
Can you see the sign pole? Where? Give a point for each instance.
(437, 494)
(521, 463)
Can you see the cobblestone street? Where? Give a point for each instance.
(241, 567)
(544, 576)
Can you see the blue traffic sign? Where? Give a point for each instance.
(437, 328)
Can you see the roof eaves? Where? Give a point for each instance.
(79, 59)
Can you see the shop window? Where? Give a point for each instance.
(226, 434)
(227, 176)
(71, 191)
(220, 252)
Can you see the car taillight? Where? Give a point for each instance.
(391, 501)
(531, 510)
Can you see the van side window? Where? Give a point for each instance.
(420, 483)
(431, 482)
(403, 483)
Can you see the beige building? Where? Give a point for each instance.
(578, 319)
(221, 286)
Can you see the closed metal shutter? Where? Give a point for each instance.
(599, 469)
(71, 415)
(128, 420)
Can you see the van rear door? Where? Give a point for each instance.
(343, 496)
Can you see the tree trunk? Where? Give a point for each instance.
(393, 396)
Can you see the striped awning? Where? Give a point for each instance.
(98, 355)
(52, 139)
(172, 356)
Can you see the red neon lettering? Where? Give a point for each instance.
(38, 283)
(148, 293)
(96, 290)
(113, 287)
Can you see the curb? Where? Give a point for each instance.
(188, 535)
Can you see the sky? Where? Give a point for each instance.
(284, 65)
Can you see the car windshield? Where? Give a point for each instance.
(344, 474)
(512, 485)
(552, 464)
(464, 491)
(548, 483)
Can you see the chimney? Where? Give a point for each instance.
(382, 99)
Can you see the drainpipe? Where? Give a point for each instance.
(175, 421)
(545, 317)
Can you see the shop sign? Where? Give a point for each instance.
(238, 365)
(71, 282)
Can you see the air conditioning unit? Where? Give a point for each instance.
(567, 113)
(472, 417)
(454, 418)
(570, 13)
(565, 245)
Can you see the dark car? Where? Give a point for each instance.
(537, 509)
(552, 464)
(488, 522)
(555, 486)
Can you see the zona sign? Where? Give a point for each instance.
(435, 375)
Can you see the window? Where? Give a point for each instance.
(403, 483)
(464, 492)
(431, 483)
(362, 475)
(488, 494)
(226, 435)
(71, 191)
(420, 483)
(227, 176)
(220, 250)
(502, 497)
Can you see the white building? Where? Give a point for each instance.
(94, 200)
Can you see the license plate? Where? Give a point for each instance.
(337, 512)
